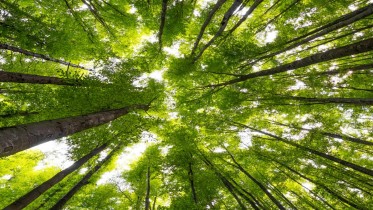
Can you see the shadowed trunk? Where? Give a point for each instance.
(35, 193)
(191, 180)
(315, 152)
(321, 185)
(230, 187)
(33, 79)
(368, 10)
(207, 21)
(223, 25)
(36, 55)
(246, 15)
(333, 135)
(147, 197)
(260, 185)
(352, 49)
(84, 180)
(163, 21)
(21, 137)
(338, 21)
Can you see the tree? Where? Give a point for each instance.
(85, 179)
(23, 201)
(19, 138)
(263, 104)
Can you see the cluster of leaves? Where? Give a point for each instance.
(296, 139)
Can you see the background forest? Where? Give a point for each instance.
(186, 104)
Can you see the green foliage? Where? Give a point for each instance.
(204, 138)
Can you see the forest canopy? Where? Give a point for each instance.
(186, 104)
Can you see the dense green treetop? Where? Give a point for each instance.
(268, 110)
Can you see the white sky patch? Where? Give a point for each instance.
(2, 60)
(218, 150)
(352, 7)
(267, 36)
(126, 158)
(299, 85)
(152, 38)
(82, 8)
(142, 81)
(308, 185)
(173, 50)
(83, 171)
(173, 115)
(241, 12)
(157, 75)
(300, 22)
(132, 9)
(56, 154)
(196, 13)
(245, 139)
(205, 3)
(6, 177)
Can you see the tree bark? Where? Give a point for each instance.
(321, 185)
(163, 21)
(84, 180)
(277, 16)
(260, 185)
(337, 21)
(366, 12)
(223, 25)
(315, 152)
(226, 182)
(35, 193)
(33, 79)
(352, 49)
(18, 138)
(191, 180)
(207, 21)
(41, 56)
(333, 135)
(147, 196)
(246, 15)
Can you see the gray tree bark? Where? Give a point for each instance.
(21, 137)
(84, 180)
(352, 49)
(33, 79)
(41, 56)
(36, 192)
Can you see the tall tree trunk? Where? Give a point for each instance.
(333, 135)
(33, 79)
(357, 16)
(147, 196)
(246, 15)
(84, 180)
(230, 187)
(191, 180)
(260, 185)
(223, 25)
(154, 202)
(352, 68)
(21, 137)
(337, 21)
(163, 21)
(308, 190)
(321, 185)
(25, 200)
(277, 16)
(41, 56)
(352, 49)
(312, 151)
(207, 21)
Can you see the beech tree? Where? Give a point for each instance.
(263, 104)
